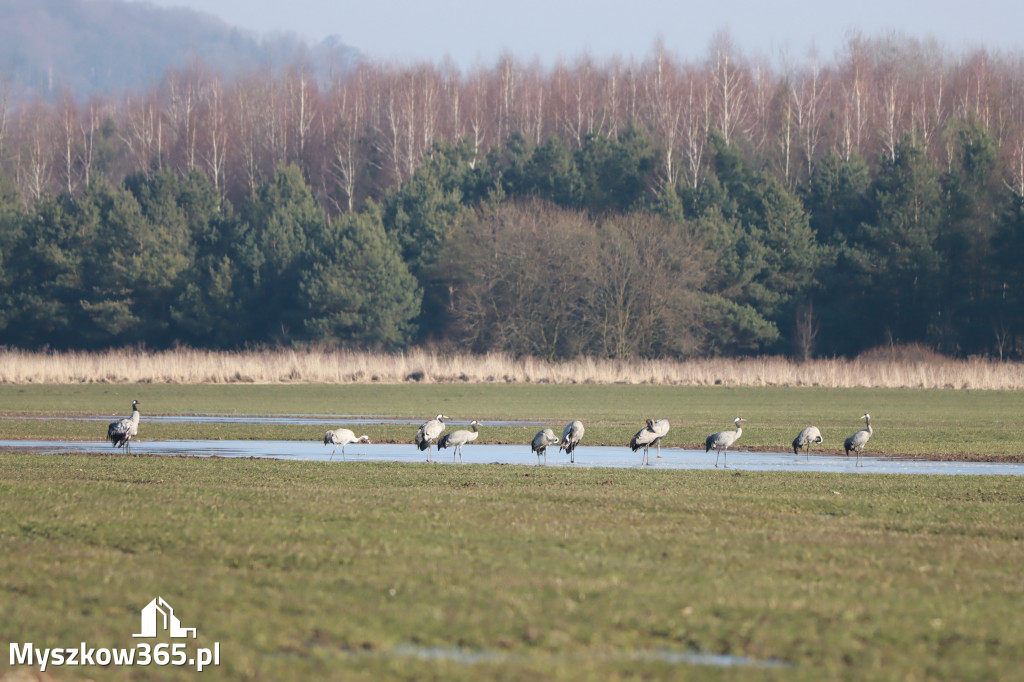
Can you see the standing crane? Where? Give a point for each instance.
(342, 437)
(541, 442)
(858, 440)
(805, 438)
(571, 437)
(459, 438)
(121, 432)
(428, 433)
(722, 440)
(648, 436)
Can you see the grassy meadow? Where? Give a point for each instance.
(371, 571)
(365, 571)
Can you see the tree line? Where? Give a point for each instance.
(659, 209)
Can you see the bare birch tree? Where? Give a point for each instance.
(730, 88)
(664, 106)
(214, 123)
(142, 131)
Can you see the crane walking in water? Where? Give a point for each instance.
(571, 437)
(858, 440)
(648, 436)
(121, 432)
(342, 437)
(722, 440)
(428, 433)
(805, 439)
(459, 438)
(541, 442)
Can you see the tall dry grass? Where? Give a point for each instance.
(190, 366)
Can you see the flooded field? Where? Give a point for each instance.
(586, 456)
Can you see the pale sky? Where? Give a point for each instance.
(479, 31)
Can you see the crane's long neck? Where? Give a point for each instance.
(739, 430)
(135, 415)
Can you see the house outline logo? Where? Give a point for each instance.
(151, 621)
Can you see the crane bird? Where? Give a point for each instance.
(342, 437)
(459, 438)
(121, 432)
(858, 440)
(722, 440)
(428, 433)
(650, 435)
(541, 442)
(805, 439)
(571, 437)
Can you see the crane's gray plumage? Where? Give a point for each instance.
(571, 437)
(429, 432)
(722, 440)
(650, 435)
(342, 437)
(121, 432)
(459, 438)
(858, 440)
(541, 442)
(805, 439)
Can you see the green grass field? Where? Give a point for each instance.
(364, 571)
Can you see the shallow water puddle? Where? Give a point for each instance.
(467, 656)
(586, 456)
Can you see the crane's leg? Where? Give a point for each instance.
(717, 455)
(725, 459)
(343, 458)
(332, 452)
(659, 449)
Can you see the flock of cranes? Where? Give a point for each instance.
(651, 434)
(431, 432)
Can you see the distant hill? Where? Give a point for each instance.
(107, 47)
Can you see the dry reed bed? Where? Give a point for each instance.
(273, 366)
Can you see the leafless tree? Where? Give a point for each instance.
(181, 108)
(69, 149)
(852, 76)
(346, 121)
(35, 160)
(302, 99)
(142, 131)
(214, 124)
(808, 93)
(807, 327)
(662, 90)
(730, 87)
(248, 129)
(696, 125)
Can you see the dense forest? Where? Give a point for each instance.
(662, 208)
